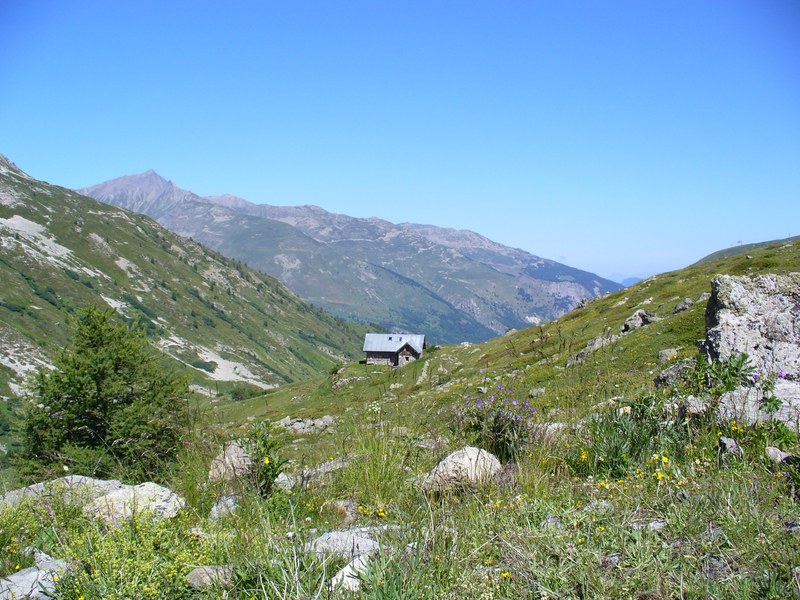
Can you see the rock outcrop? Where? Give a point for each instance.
(758, 316)
(307, 426)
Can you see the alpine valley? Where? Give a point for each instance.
(452, 285)
(217, 320)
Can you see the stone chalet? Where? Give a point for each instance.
(396, 349)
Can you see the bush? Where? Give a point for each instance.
(497, 423)
(264, 447)
(108, 408)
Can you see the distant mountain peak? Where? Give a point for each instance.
(459, 284)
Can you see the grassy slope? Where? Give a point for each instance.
(536, 357)
(679, 524)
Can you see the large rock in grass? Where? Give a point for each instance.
(72, 489)
(463, 468)
(759, 316)
(231, 464)
(118, 506)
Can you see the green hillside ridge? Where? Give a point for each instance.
(741, 249)
(222, 324)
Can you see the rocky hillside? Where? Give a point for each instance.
(217, 320)
(452, 285)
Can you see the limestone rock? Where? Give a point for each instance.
(349, 577)
(682, 306)
(639, 319)
(307, 426)
(72, 489)
(35, 582)
(462, 468)
(759, 316)
(122, 504)
(667, 354)
(201, 578)
(232, 463)
(346, 543)
(779, 457)
(223, 507)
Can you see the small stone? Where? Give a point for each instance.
(729, 447)
(346, 543)
(682, 306)
(465, 467)
(611, 560)
(225, 506)
(667, 354)
(201, 578)
(779, 457)
(349, 577)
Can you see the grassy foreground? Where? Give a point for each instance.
(628, 501)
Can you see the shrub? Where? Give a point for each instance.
(264, 448)
(108, 407)
(498, 423)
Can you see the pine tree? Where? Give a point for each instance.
(108, 407)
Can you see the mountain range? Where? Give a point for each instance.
(452, 285)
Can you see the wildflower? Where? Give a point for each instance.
(600, 529)
(16, 567)
(781, 374)
(580, 540)
(266, 460)
(584, 455)
(66, 468)
(665, 460)
(505, 574)
(658, 475)
(488, 562)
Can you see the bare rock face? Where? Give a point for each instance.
(759, 316)
(124, 503)
(468, 466)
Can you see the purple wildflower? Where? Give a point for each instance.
(781, 374)
(514, 402)
(480, 404)
(499, 386)
(755, 376)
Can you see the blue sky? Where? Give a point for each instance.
(625, 138)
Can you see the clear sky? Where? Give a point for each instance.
(621, 137)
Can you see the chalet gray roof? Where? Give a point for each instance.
(392, 342)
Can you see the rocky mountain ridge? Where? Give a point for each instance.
(454, 285)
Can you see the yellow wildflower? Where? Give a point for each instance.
(505, 574)
(266, 460)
